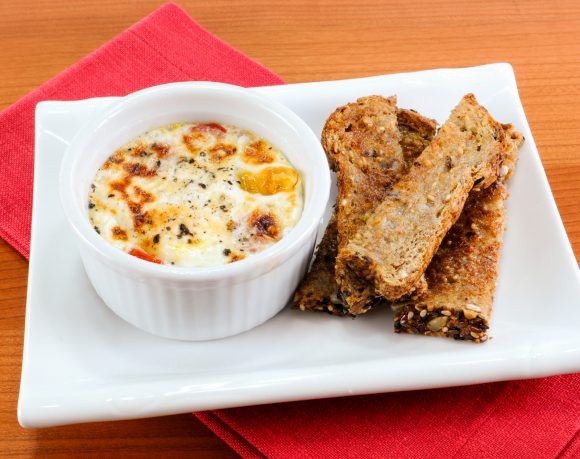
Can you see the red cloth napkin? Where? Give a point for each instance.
(518, 419)
(523, 419)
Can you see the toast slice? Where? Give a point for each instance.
(318, 290)
(361, 140)
(395, 246)
(463, 273)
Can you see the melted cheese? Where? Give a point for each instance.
(196, 195)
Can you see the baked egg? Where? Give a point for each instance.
(195, 195)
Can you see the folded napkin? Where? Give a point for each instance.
(517, 419)
(531, 419)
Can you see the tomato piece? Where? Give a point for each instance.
(210, 126)
(145, 256)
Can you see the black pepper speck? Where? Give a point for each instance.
(183, 231)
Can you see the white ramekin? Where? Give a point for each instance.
(195, 303)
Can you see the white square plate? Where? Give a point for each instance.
(82, 363)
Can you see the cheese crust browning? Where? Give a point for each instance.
(195, 194)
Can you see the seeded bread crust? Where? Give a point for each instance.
(464, 271)
(318, 290)
(508, 166)
(395, 246)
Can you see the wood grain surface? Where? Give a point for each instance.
(302, 41)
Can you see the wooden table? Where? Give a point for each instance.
(302, 41)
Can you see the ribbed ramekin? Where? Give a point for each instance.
(195, 303)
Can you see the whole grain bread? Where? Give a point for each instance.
(396, 244)
(462, 275)
(463, 272)
(318, 290)
(361, 140)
